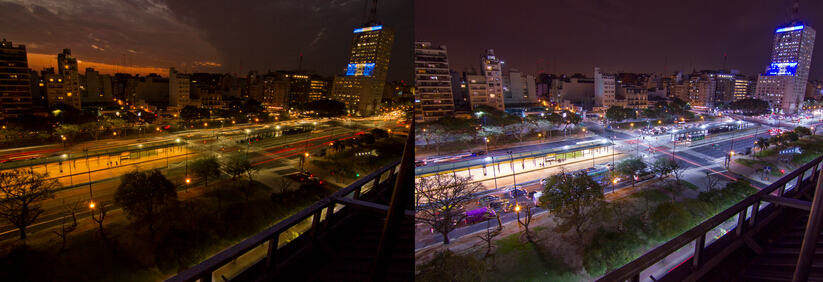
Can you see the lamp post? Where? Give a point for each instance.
(248, 144)
(494, 172)
(514, 179)
(86, 151)
(486, 140)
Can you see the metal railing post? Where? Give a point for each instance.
(812, 234)
(699, 244)
(741, 223)
(329, 212)
(753, 219)
(315, 219)
(271, 255)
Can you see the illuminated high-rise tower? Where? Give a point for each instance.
(361, 88)
(14, 81)
(784, 83)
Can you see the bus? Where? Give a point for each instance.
(697, 136)
(478, 215)
(599, 174)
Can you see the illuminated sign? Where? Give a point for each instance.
(792, 28)
(782, 68)
(371, 28)
(360, 69)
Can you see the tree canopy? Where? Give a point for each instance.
(574, 199)
(750, 106)
(22, 191)
(146, 196)
(327, 108)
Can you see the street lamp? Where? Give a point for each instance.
(514, 179)
(248, 144)
(86, 151)
(486, 140)
(303, 161)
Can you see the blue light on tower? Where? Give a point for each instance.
(791, 28)
(782, 68)
(371, 28)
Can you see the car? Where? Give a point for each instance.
(479, 153)
(315, 180)
(509, 207)
(498, 204)
(517, 193)
(531, 194)
(419, 163)
(485, 200)
(456, 208)
(302, 176)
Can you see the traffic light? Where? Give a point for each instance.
(358, 175)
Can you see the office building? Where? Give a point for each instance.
(491, 67)
(784, 83)
(361, 88)
(95, 88)
(433, 89)
(15, 86)
(519, 90)
(604, 90)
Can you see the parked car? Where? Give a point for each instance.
(485, 200)
(302, 176)
(498, 204)
(517, 193)
(509, 208)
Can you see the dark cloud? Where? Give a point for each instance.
(210, 36)
(635, 36)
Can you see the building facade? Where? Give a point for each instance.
(95, 88)
(179, 89)
(519, 90)
(361, 88)
(604, 90)
(791, 57)
(433, 89)
(15, 87)
(491, 67)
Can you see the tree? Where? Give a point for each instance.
(678, 168)
(448, 266)
(710, 182)
(673, 186)
(662, 166)
(68, 130)
(631, 167)
(146, 196)
(14, 134)
(146, 116)
(205, 167)
(574, 200)
(489, 237)
(437, 199)
(190, 113)
(527, 219)
(436, 133)
(326, 108)
(519, 130)
(803, 131)
(762, 143)
(615, 113)
(750, 106)
(94, 128)
(22, 191)
(465, 139)
(99, 217)
(380, 133)
(237, 165)
(649, 113)
(544, 125)
(491, 133)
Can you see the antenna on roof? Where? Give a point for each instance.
(373, 16)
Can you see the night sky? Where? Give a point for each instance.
(203, 36)
(616, 35)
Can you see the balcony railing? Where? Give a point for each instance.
(761, 209)
(271, 249)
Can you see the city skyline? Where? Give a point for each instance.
(145, 36)
(647, 37)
